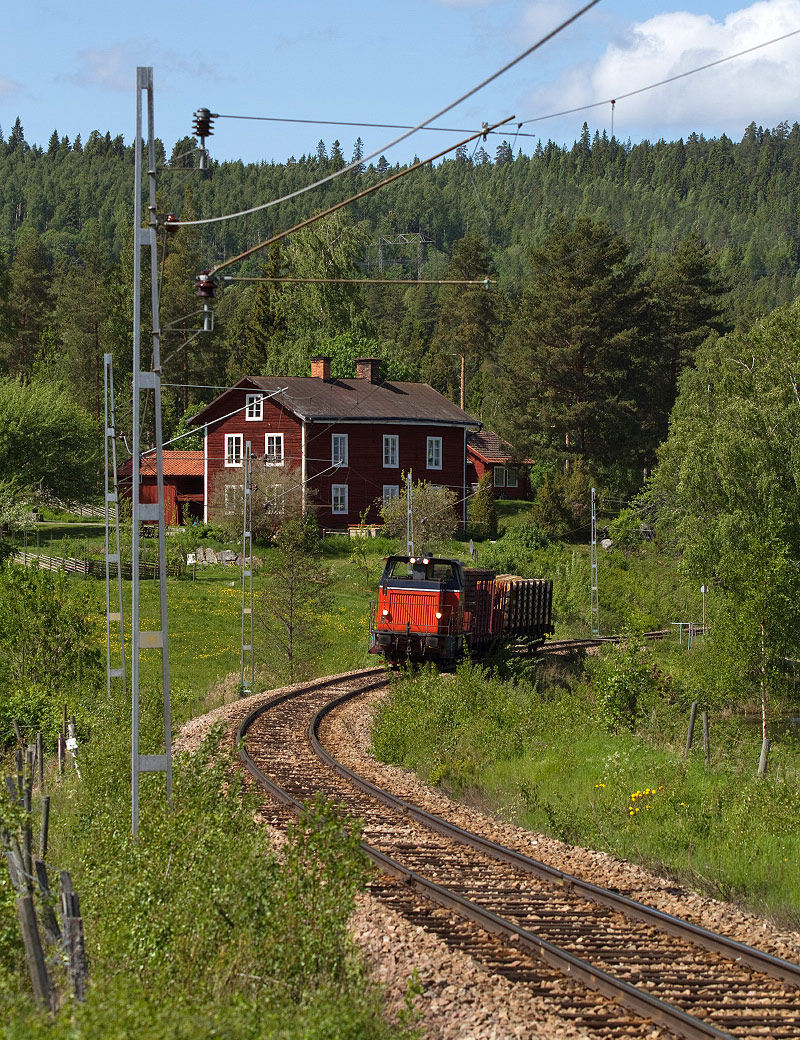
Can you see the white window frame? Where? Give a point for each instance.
(391, 451)
(339, 449)
(390, 492)
(233, 450)
(499, 476)
(512, 477)
(254, 409)
(434, 453)
(232, 503)
(273, 458)
(339, 499)
(275, 500)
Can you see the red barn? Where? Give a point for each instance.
(183, 484)
(349, 440)
(488, 453)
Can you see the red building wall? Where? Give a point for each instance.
(364, 474)
(275, 419)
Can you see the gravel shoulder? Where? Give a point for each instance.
(460, 1000)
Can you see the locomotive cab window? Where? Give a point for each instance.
(446, 572)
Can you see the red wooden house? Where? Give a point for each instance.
(488, 453)
(348, 440)
(183, 484)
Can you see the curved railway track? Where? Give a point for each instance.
(608, 964)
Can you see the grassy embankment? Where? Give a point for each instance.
(547, 745)
(198, 929)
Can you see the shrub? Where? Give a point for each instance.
(481, 512)
(622, 680)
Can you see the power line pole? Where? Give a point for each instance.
(409, 515)
(112, 498)
(143, 381)
(594, 609)
(247, 574)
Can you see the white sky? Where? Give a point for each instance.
(71, 67)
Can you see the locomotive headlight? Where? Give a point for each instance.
(412, 559)
(438, 615)
(426, 562)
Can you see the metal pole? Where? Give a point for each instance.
(594, 606)
(409, 515)
(247, 572)
(112, 497)
(147, 512)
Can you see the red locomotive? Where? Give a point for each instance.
(435, 609)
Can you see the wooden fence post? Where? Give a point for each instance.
(40, 759)
(45, 827)
(42, 987)
(72, 928)
(706, 745)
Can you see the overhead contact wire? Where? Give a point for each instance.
(353, 198)
(421, 126)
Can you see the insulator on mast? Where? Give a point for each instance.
(203, 123)
(171, 223)
(206, 285)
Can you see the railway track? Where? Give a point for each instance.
(611, 966)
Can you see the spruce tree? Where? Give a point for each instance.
(576, 363)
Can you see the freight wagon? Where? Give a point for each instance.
(436, 609)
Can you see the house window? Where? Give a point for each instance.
(339, 449)
(434, 453)
(391, 450)
(390, 492)
(233, 449)
(339, 498)
(273, 449)
(505, 476)
(233, 499)
(275, 500)
(253, 409)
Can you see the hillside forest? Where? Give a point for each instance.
(609, 264)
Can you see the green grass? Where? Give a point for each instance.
(538, 754)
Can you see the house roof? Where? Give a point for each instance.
(175, 463)
(488, 446)
(350, 400)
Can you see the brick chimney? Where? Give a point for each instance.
(369, 369)
(321, 368)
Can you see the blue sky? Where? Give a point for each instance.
(71, 67)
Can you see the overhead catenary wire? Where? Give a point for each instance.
(661, 82)
(519, 133)
(483, 283)
(346, 202)
(448, 108)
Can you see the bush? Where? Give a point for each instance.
(623, 680)
(481, 511)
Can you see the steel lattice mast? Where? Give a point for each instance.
(112, 498)
(247, 575)
(144, 381)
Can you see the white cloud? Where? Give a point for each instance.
(8, 87)
(110, 69)
(543, 16)
(760, 86)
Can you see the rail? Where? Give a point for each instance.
(638, 1000)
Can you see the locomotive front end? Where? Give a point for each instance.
(419, 614)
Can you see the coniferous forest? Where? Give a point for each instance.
(610, 263)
